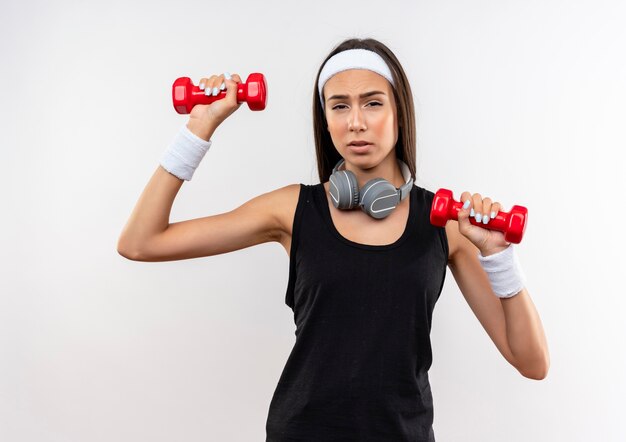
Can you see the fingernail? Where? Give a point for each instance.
(471, 212)
(478, 217)
(215, 91)
(466, 204)
(223, 86)
(493, 215)
(227, 76)
(485, 219)
(201, 86)
(207, 91)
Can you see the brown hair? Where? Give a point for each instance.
(327, 155)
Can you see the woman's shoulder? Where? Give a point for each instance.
(423, 189)
(286, 196)
(284, 200)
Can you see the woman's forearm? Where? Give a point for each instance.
(151, 214)
(526, 336)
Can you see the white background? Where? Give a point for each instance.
(522, 101)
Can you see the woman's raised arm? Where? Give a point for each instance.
(148, 234)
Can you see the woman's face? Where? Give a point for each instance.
(371, 118)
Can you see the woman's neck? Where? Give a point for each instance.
(389, 170)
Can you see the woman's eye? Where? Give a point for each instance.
(370, 103)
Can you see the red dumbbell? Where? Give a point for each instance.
(512, 224)
(186, 95)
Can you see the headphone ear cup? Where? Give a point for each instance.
(379, 198)
(344, 190)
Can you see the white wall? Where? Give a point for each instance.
(520, 101)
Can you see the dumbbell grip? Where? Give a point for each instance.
(500, 222)
(193, 95)
(199, 97)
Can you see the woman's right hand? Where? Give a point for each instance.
(212, 115)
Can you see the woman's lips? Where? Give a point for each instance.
(359, 149)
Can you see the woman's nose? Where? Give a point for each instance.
(356, 120)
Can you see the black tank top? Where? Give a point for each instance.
(358, 370)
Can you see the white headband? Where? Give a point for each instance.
(353, 59)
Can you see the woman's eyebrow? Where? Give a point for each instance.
(364, 95)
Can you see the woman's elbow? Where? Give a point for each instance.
(537, 373)
(131, 256)
(128, 252)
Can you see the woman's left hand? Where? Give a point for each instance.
(488, 241)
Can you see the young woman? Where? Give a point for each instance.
(362, 283)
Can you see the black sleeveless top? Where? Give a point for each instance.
(358, 370)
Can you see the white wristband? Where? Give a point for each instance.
(504, 272)
(183, 155)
